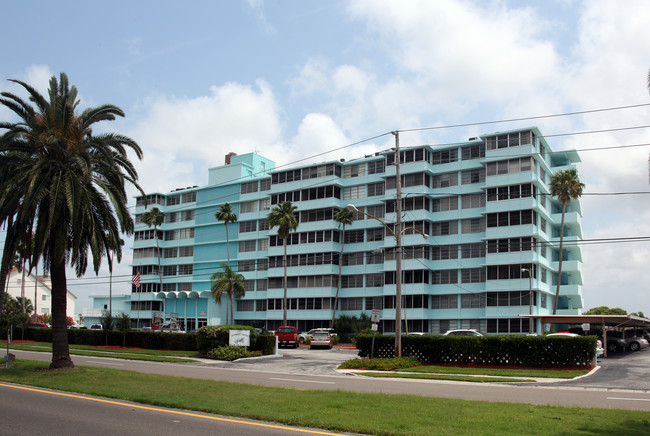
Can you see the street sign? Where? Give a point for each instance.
(374, 317)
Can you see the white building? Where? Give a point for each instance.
(38, 290)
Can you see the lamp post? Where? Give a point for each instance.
(530, 297)
(398, 272)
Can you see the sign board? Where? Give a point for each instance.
(374, 327)
(240, 338)
(374, 317)
(586, 327)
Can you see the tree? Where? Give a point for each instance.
(155, 218)
(344, 217)
(604, 310)
(71, 187)
(227, 282)
(283, 216)
(566, 186)
(123, 324)
(13, 313)
(226, 214)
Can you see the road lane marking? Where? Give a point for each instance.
(302, 381)
(628, 399)
(174, 412)
(105, 363)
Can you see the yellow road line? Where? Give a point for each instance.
(174, 412)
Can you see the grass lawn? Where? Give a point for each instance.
(334, 410)
(504, 372)
(466, 378)
(117, 353)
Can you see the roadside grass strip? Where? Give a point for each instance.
(465, 378)
(366, 413)
(503, 372)
(116, 353)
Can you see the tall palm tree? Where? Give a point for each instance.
(565, 185)
(72, 194)
(227, 282)
(154, 217)
(284, 217)
(343, 216)
(226, 214)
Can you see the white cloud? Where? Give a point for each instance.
(182, 137)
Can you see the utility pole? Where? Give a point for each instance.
(398, 249)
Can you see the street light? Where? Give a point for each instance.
(398, 271)
(530, 298)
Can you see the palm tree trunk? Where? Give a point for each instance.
(60, 348)
(284, 300)
(338, 284)
(232, 303)
(559, 269)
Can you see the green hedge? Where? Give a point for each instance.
(131, 338)
(511, 350)
(215, 336)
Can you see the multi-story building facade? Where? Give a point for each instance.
(493, 226)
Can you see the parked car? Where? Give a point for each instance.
(321, 339)
(634, 341)
(287, 336)
(615, 341)
(96, 327)
(600, 351)
(462, 332)
(306, 335)
(35, 324)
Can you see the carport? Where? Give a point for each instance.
(603, 320)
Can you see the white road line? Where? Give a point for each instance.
(302, 381)
(629, 399)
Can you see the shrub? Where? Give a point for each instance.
(381, 364)
(513, 350)
(264, 343)
(210, 337)
(231, 353)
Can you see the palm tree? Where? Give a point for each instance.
(155, 218)
(344, 217)
(230, 283)
(72, 187)
(565, 185)
(226, 214)
(283, 216)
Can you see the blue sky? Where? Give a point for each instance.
(291, 79)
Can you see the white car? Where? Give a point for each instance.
(462, 332)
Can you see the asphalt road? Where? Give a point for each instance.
(315, 369)
(35, 411)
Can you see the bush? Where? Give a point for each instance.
(510, 350)
(379, 364)
(210, 337)
(264, 343)
(231, 353)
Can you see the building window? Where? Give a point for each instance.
(352, 303)
(186, 251)
(169, 270)
(187, 233)
(472, 275)
(444, 204)
(354, 192)
(173, 200)
(444, 301)
(247, 226)
(354, 281)
(444, 252)
(444, 156)
(247, 246)
(469, 177)
(168, 252)
(445, 180)
(377, 167)
(250, 187)
(353, 236)
(248, 206)
(354, 171)
(472, 301)
(444, 277)
(374, 280)
(185, 270)
(375, 189)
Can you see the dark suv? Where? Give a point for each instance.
(615, 341)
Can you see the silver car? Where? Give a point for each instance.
(320, 339)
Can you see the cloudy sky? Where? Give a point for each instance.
(199, 79)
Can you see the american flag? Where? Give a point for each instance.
(136, 279)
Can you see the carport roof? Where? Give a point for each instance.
(608, 320)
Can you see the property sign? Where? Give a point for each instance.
(374, 318)
(240, 338)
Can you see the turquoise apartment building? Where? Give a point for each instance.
(485, 204)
